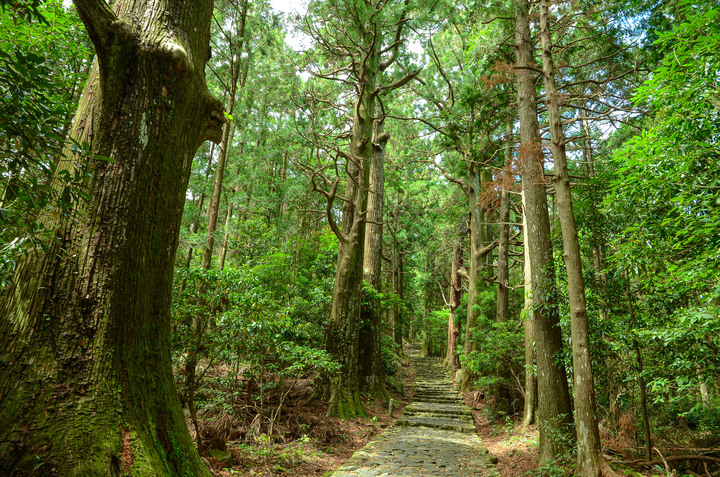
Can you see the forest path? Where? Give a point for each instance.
(435, 436)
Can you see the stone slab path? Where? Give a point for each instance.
(436, 434)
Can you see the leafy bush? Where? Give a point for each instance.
(264, 323)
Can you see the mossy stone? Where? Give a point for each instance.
(224, 458)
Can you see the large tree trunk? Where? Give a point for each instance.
(87, 386)
(554, 413)
(372, 378)
(589, 457)
(342, 334)
(363, 24)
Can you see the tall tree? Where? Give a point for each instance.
(455, 292)
(87, 386)
(364, 55)
(589, 456)
(531, 392)
(554, 413)
(372, 377)
(502, 314)
(236, 46)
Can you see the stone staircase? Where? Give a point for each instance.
(436, 401)
(436, 434)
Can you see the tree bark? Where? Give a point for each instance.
(589, 455)
(479, 252)
(395, 282)
(531, 391)
(640, 377)
(452, 360)
(598, 241)
(554, 413)
(360, 52)
(226, 237)
(198, 214)
(342, 335)
(87, 386)
(372, 378)
(503, 274)
(503, 397)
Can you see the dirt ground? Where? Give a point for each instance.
(515, 448)
(325, 444)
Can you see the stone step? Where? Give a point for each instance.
(445, 389)
(434, 408)
(421, 451)
(440, 399)
(448, 424)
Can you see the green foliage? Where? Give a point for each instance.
(390, 351)
(660, 217)
(264, 321)
(667, 180)
(435, 325)
(498, 345)
(26, 10)
(38, 67)
(559, 467)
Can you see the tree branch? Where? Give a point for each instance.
(97, 17)
(398, 83)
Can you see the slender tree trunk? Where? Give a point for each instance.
(643, 401)
(214, 210)
(452, 360)
(395, 318)
(372, 378)
(223, 249)
(503, 275)
(473, 272)
(531, 390)
(226, 140)
(598, 242)
(196, 221)
(554, 413)
(86, 381)
(503, 397)
(641, 378)
(403, 320)
(589, 455)
(479, 262)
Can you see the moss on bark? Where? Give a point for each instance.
(86, 387)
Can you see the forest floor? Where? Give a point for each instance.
(323, 443)
(307, 443)
(328, 442)
(515, 448)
